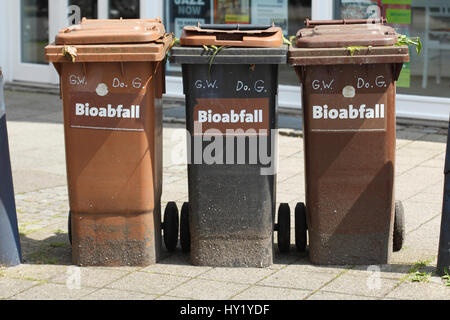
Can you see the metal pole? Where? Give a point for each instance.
(10, 253)
(443, 264)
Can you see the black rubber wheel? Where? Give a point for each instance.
(399, 226)
(185, 233)
(300, 227)
(284, 228)
(69, 227)
(170, 226)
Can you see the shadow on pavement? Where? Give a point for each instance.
(56, 250)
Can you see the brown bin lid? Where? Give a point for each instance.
(326, 43)
(111, 31)
(232, 35)
(112, 40)
(345, 35)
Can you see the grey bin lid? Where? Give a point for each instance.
(231, 55)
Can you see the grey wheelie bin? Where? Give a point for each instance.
(230, 76)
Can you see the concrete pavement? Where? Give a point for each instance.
(38, 161)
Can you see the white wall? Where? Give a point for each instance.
(322, 9)
(151, 9)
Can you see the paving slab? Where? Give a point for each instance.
(52, 291)
(237, 275)
(290, 277)
(420, 291)
(110, 294)
(323, 295)
(148, 283)
(271, 293)
(371, 285)
(35, 272)
(11, 286)
(177, 264)
(201, 289)
(90, 277)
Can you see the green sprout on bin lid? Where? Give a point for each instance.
(354, 49)
(404, 40)
(289, 40)
(286, 41)
(213, 51)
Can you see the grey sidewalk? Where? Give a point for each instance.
(38, 162)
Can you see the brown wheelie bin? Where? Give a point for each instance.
(112, 81)
(348, 71)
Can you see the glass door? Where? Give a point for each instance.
(34, 31)
(37, 24)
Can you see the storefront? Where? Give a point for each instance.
(423, 89)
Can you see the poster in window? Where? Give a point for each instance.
(264, 12)
(362, 9)
(398, 15)
(232, 11)
(181, 13)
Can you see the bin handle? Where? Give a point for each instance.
(237, 26)
(312, 23)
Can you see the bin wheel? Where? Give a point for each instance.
(300, 227)
(185, 233)
(399, 226)
(170, 226)
(69, 227)
(284, 228)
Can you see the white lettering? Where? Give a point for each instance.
(317, 112)
(79, 109)
(133, 112)
(233, 117)
(363, 112)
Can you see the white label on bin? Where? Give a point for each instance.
(102, 89)
(232, 116)
(120, 112)
(349, 92)
(351, 112)
(328, 117)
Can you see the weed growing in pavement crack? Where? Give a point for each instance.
(446, 277)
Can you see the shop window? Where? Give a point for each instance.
(126, 9)
(34, 30)
(429, 73)
(287, 14)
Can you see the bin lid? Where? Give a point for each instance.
(233, 35)
(327, 42)
(345, 35)
(111, 40)
(91, 31)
